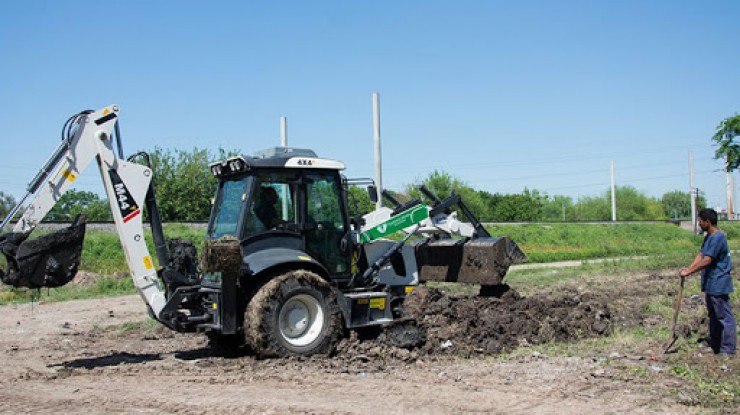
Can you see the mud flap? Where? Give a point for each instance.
(50, 260)
(478, 261)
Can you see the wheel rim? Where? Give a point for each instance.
(301, 320)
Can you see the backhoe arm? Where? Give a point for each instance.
(89, 136)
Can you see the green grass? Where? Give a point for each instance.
(666, 245)
(562, 242)
(105, 287)
(102, 252)
(531, 279)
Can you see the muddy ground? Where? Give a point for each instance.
(475, 356)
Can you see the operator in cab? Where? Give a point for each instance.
(265, 209)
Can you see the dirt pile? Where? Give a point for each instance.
(439, 324)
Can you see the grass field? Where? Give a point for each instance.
(664, 245)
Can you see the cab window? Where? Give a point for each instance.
(229, 201)
(271, 204)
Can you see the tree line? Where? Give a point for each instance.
(185, 188)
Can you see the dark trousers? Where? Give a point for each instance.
(722, 326)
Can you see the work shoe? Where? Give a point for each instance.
(705, 345)
(725, 356)
(707, 350)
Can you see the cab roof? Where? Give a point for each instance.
(275, 157)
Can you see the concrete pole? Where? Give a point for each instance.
(283, 131)
(729, 188)
(691, 191)
(563, 211)
(284, 143)
(378, 156)
(733, 182)
(614, 195)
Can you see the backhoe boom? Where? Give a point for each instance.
(89, 136)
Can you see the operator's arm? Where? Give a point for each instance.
(700, 262)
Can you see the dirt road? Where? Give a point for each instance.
(96, 356)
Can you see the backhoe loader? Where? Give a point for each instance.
(284, 269)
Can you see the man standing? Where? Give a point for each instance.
(716, 283)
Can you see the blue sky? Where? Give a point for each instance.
(503, 95)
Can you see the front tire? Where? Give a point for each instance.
(295, 313)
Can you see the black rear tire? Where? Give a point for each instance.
(295, 313)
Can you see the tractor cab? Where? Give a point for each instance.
(284, 198)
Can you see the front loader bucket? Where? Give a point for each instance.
(482, 261)
(50, 260)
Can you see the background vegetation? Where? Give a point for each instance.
(627, 246)
(185, 187)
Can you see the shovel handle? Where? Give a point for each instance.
(679, 297)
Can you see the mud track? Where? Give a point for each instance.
(97, 356)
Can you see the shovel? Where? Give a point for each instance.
(674, 335)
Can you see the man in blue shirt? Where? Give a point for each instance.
(716, 283)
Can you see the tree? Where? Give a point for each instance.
(183, 183)
(523, 207)
(677, 204)
(7, 202)
(75, 202)
(728, 150)
(553, 208)
(443, 185)
(592, 208)
(633, 205)
(358, 201)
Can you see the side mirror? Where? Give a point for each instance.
(345, 244)
(372, 192)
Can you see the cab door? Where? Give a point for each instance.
(325, 221)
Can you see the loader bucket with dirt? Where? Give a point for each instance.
(51, 260)
(482, 261)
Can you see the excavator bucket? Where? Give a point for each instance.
(51, 260)
(482, 261)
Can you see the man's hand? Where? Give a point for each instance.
(684, 272)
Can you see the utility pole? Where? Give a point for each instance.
(563, 210)
(284, 143)
(614, 195)
(691, 191)
(283, 131)
(378, 161)
(696, 200)
(729, 188)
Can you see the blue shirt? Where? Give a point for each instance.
(716, 279)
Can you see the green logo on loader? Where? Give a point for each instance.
(403, 220)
